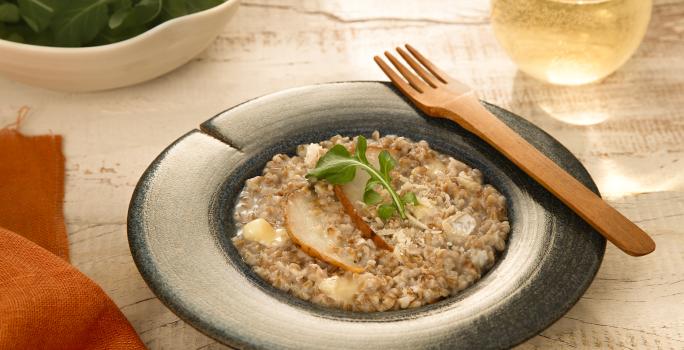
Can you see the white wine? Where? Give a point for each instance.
(570, 42)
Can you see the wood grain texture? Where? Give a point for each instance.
(628, 131)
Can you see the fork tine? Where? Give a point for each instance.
(431, 67)
(413, 79)
(404, 87)
(428, 77)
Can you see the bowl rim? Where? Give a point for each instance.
(150, 274)
(11, 45)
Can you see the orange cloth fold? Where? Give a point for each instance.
(45, 303)
(32, 189)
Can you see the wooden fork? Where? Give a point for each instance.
(439, 95)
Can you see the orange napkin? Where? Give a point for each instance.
(32, 189)
(45, 303)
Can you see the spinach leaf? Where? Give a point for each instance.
(19, 32)
(201, 5)
(79, 22)
(9, 13)
(142, 13)
(174, 8)
(177, 8)
(37, 13)
(109, 36)
(16, 37)
(11, 32)
(88, 22)
(116, 5)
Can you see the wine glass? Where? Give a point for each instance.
(570, 42)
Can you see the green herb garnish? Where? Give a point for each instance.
(75, 23)
(338, 166)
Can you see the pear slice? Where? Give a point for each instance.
(351, 194)
(306, 226)
(366, 231)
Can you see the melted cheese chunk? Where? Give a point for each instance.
(424, 211)
(341, 289)
(459, 225)
(434, 166)
(259, 230)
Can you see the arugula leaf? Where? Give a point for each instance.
(410, 197)
(37, 13)
(338, 166)
(9, 13)
(385, 211)
(79, 22)
(371, 183)
(360, 152)
(371, 197)
(387, 163)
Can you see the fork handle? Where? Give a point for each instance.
(469, 113)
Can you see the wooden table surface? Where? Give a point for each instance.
(628, 131)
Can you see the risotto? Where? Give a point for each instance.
(326, 244)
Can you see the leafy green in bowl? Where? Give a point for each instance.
(79, 23)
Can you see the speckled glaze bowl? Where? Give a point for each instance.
(180, 225)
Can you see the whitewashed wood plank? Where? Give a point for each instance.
(628, 131)
(634, 303)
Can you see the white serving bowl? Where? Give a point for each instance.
(144, 57)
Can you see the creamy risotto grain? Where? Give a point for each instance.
(448, 242)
